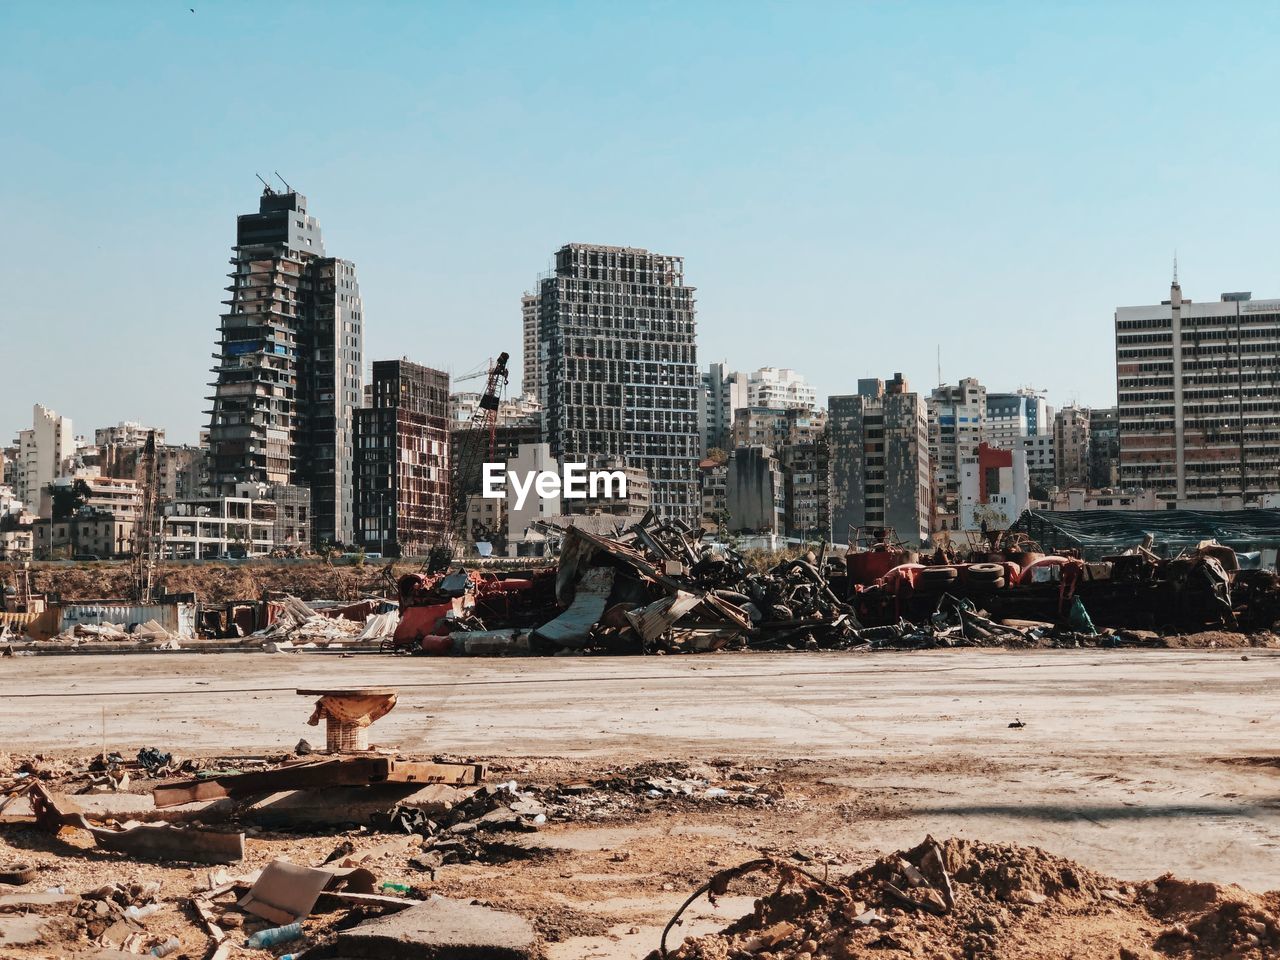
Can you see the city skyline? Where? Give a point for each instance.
(1000, 211)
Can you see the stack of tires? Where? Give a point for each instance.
(985, 576)
(936, 579)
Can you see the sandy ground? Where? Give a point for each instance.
(1133, 763)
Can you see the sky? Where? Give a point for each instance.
(856, 188)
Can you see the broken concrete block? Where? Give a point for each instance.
(22, 931)
(37, 902)
(435, 799)
(441, 929)
(332, 807)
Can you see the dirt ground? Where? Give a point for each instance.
(1130, 763)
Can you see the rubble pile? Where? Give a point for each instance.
(298, 625)
(962, 898)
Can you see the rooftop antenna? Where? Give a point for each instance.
(266, 186)
(1175, 267)
(283, 180)
(939, 364)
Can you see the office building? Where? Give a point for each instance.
(616, 325)
(288, 378)
(1012, 416)
(878, 444)
(1198, 404)
(402, 460)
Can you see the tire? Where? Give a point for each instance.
(938, 574)
(985, 572)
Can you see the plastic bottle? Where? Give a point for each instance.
(137, 913)
(166, 948)
(396, 887)
(269, 938)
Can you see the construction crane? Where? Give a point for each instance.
(146, 538)
(476, 445)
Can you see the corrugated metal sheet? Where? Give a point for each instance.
(177, 618)
(572, 627)
(1097, 532)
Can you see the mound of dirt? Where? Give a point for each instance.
(966, 899)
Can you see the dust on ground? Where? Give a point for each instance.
(625, 844)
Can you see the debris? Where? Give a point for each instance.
(286, 892)
(441, 927)
(316, 774)
(348, 714)
(274, 935)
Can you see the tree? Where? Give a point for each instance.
(67, 500)
(718, 455)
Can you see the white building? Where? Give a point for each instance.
(1013, 416)
(532, 458)
(779, 387)
(994, 488)
(128, 433)
(723, 392)
(43, 452)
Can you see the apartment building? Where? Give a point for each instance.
(1104, 448)
(531, 380)
(1199, 397)
(616, 327)
(878, 444)
(805, 469)
(1071, 446)
(288, 378)
(780, 387)
(776, 427)
(43, 454)
(994, 488)
(957, 415)
(723, 392)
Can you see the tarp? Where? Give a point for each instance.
(1100, 532)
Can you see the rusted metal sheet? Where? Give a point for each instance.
(345, 772)
(574, 626)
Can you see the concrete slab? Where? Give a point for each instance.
(35, 902)
(335, 806)
(22, 931)
(441, 929)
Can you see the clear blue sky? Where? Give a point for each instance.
(851, 184)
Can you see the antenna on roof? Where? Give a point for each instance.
(283, 180)
(1175, 266)
(939, 364)
(266, 187)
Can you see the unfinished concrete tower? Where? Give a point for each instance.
(288, 374)
(617, 327)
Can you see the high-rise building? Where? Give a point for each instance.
(723, 392)
(1071, 446)
(402, 460)
(44, 453)
(1198, 399)
(1012, 416)
(616, 325)
(531, 380)
(805, 469)
(957, 417)
(289, 373)
(878, 444)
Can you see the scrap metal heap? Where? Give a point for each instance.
(660, 587)
(653, 587)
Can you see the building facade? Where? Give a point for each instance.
(1198, 405)
(878, 443)
(776, 426)
(531, 377)
(616, 325)
(402, 460)
(723, 392)
(1104, 448)
(994, 489)
(805, 471)
(957, 417)
(1071, 446)
(780, 387)
(755, 491)
(43, 454)
(288, 378)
